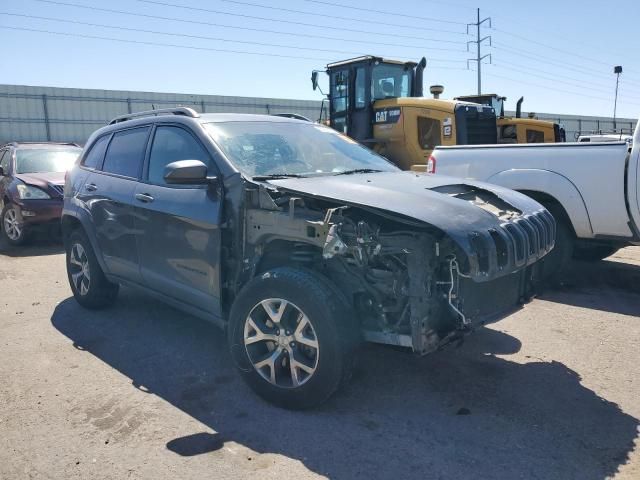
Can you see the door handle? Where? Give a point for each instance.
(90, 187)
(144, 197)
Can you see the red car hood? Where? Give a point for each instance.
(42, 179)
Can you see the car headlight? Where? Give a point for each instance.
(28, 192)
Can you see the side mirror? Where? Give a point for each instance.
(314, 79)
(187, 172)
(1, 172)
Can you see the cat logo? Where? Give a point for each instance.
(387, 115)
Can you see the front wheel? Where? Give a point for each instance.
(13, 231)
(88, 283)
(291, 337)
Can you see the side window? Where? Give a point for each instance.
(126, 151)
(360, 88)
(95, 156)
(5, 155)
(535, 136)
(340, 91)
(171, 144)
(428, 133)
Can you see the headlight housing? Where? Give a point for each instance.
(29, 192)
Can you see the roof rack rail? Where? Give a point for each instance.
(185, 111)
(45, 142)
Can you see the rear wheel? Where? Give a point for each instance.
(291, 338)
(90, 287)
(13, 231)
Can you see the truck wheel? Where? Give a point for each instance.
(594, 253)
(90, 287)
(12, 231)
(559, 259)
(291, 337)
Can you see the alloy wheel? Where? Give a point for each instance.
(12, 228)
(281, 343)
(79, 267)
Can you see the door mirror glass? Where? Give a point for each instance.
(1, 172)
(314, 80)
(186, 172)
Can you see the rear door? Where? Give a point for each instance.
(179, 225)
(109, 195)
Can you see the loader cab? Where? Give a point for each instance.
(379, 103)
(354, 86)
(518, 129)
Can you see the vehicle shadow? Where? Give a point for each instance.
(36, 246)
(459, 413)
(607, 285)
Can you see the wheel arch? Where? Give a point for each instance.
(550, 188)
(71, 222)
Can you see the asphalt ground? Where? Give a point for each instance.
(143, 391)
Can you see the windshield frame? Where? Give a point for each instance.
(381, 164)
(67, 149)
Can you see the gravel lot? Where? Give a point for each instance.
(144, 391)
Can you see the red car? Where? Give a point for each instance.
(31, 186)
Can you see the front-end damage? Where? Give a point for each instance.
(411, 283)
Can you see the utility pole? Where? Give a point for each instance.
(617, 70)
(478, 41)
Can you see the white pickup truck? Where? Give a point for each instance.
(592, 189)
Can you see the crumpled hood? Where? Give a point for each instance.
(42, 179)
(410, 196)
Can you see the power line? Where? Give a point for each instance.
(387, 12)
(555, 80)
(569, 92)
(291, 22)
(173, 45)
(200, 37)
(334, 17)
(554, 47)
(543, 59)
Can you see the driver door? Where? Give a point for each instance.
(179, 225)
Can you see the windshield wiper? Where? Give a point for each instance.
(275, 176)
(359, 170)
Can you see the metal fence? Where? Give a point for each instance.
(29, 113)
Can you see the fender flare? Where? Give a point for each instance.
(555, 185)
(83, 217)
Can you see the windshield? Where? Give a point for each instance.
(39, 160)
(273, 148)
(390, 81)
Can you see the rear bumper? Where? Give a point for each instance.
(33, 213)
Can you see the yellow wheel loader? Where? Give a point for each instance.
(379, 103)
(517, 129)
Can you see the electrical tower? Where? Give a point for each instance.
(478, 41)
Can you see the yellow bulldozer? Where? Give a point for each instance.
(518, 129)
(380, 103)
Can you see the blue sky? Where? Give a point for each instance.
(558, 55)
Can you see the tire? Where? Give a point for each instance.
(558, 261)
(14, 234)
(594, 253)
(299, 315)
(90, 287)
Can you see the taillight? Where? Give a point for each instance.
(431, 164)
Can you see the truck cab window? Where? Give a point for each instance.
(535, 136)
(360, 88)
(428, 133)
(390, 81)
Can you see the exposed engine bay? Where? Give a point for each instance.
(409, 282)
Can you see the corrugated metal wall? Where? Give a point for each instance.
(72, 114)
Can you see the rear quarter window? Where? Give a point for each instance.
(126, 151)
(94, 158)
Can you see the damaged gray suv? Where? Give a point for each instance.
(298, 241)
